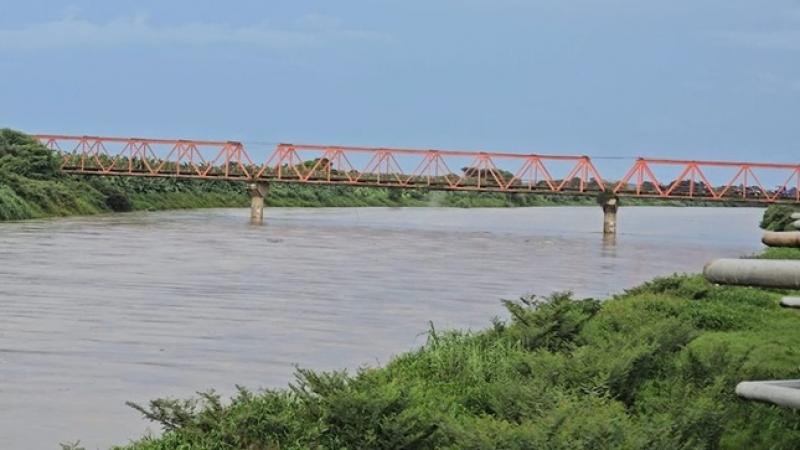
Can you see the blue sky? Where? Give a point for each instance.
(709, 79)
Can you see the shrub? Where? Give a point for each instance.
(778, 217)
(118, 202)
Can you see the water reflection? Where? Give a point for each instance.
(609, 245)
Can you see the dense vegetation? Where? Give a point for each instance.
(778, 217)
(652, 368)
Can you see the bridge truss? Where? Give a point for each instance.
(429, 169)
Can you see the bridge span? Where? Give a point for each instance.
(726, 182)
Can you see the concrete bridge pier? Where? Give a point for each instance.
(610, 206)
(257, 193)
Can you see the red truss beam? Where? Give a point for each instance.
(418, 168)
(693, 181)
(391, 167)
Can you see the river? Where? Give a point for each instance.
(95, 311)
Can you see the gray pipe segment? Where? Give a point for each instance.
(754, 272)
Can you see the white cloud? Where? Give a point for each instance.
(139, 30)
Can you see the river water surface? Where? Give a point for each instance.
(99, 310)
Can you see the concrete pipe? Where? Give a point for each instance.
(754, 272)
(796, 224)
(779, 392)
(790, 302)
(781, 238)
(795, 216)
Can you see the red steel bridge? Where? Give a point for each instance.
(450, 170)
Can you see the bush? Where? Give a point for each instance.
(22, 155)
(118, 202)
(778, 217)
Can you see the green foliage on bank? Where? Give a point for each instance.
(31, 185)
(655, 367)
(778, 217)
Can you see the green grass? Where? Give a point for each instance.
(654, 367)
(781, 253)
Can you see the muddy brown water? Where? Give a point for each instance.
(99, 310)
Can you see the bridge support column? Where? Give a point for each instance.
(257, 193)
(610, 206)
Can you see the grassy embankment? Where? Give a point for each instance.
(652, 368)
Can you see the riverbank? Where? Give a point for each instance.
(654, 367)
